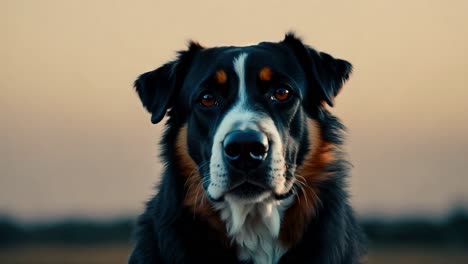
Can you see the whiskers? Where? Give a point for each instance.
(299, 188)
(307, 191)
(304, 188)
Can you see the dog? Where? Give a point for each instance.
(254, 168)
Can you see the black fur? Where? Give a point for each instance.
(168, 232)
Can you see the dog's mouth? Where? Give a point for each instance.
(252, 187)
(248, 190)
(253, 191)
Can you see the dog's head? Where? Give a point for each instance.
(245, 112)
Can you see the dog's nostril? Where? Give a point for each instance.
(232, 151)
(258, 150)
(245, 150)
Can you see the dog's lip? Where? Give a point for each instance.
(250, 185)
(245, 182)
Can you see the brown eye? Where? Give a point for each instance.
(281, 94)
(208, 100)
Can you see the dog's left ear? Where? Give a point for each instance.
(158, 89)
(326, 73)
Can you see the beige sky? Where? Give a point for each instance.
(76, 141)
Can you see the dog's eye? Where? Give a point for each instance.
(208, 99)
(281, 94)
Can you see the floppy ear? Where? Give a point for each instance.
(157, 89)
(326, 73)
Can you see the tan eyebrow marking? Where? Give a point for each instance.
(265, 74)
(221, 77)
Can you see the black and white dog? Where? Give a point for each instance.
(254, 171)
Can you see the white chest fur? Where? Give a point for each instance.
(254, 227)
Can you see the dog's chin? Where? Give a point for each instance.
(249, 193)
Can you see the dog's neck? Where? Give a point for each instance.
(255, 228)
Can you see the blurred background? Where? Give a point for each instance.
(79, 156)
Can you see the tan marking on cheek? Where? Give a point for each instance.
(185, 163)
(265, 74)
(221, 77)
(195, 197)
(311, 173)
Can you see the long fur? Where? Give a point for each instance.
(170, 233)
(315, 225)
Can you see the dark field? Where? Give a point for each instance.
(118, 254)
(404, 241)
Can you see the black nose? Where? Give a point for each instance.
(245, 150)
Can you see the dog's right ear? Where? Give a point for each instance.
(327, 74)
(157, 89)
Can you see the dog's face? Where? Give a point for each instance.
(245, 111)
(242, 107)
